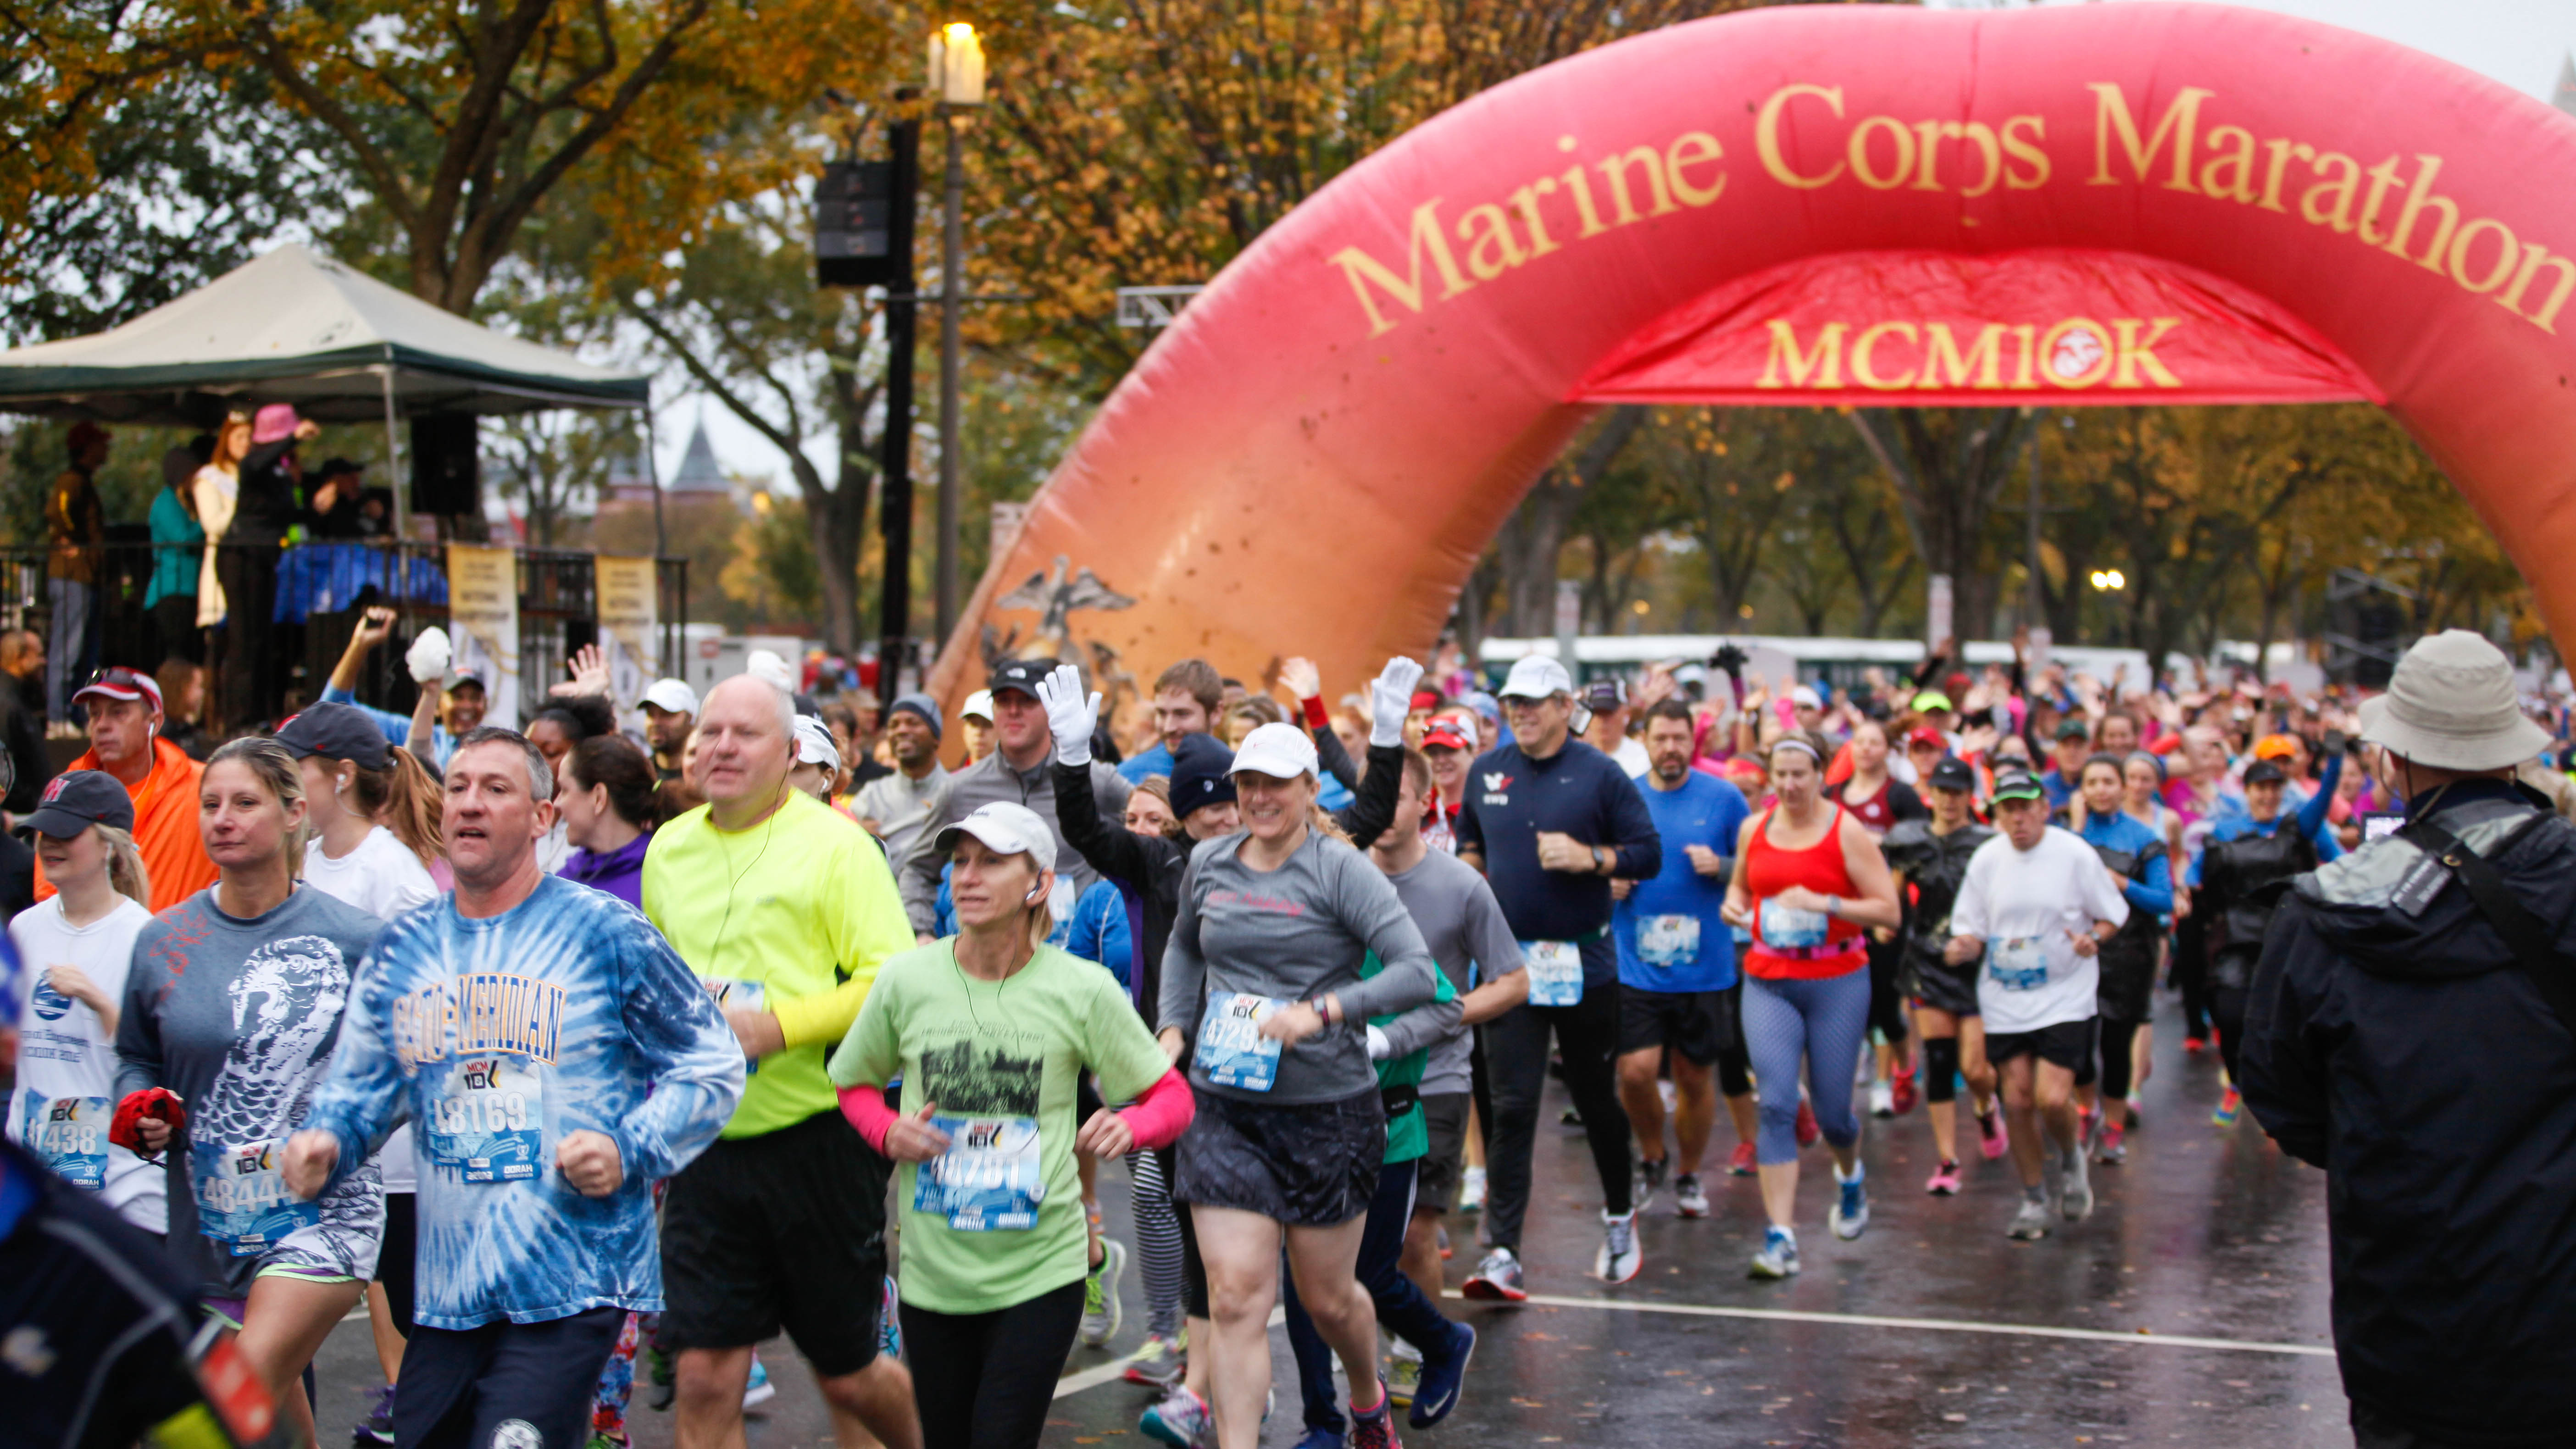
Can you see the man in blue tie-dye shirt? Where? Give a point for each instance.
(557, 1057)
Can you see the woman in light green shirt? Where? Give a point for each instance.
(990, 1031)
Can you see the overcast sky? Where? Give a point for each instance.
(2519, 42)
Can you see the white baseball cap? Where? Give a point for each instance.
(1009, 828)
(672, 697)
(1803, 697)
(1536, 676)
(1281, 751)
(766, 664)
(814, 744)
(979, 705)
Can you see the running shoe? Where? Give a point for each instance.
(1620, 1257)
(666, 1386)
(378, 1426)
(1101, 1313)
(1446, 1252)
(1690, 1200)
(2228, 1108)
(1808, 1131)
(1648, 1181)
(1742, 1162)
(1570, 1117)
(2088, 1122)
(1945, 1179)
(1444, 1378)
(2113, 1149)
(1994, 1139)
(1471, 1191)
(1159, 1362)
(1779, 1255)
(1375, 1429)
(1849, 1216)
(1323, 1439)
(2193, 1046)
(1902, 1092)
(1403, 1372)
(2074, 1188)
(605, 1441)
(1671, 1095)
(758, 1389)
(889, 1323)
(1882, 1099)
(1498, 1279)
(2030, 1221)
(1182, 1419)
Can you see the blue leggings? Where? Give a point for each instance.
(1822, 1021)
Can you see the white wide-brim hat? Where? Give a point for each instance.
(2452, 704)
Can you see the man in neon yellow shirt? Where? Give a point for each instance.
(785, 908)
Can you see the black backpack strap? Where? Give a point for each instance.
(2523, 932)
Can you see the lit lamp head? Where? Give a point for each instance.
(957, 65)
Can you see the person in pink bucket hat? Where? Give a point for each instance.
(269, 504)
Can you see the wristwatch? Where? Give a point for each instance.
(1601, 867)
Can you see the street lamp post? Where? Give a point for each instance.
(957, 79)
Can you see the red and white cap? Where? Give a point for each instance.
(117, 681)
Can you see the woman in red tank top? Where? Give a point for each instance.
(1809, 880)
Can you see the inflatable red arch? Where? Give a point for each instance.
(2102, 204)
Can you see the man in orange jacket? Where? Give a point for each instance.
(125, 741)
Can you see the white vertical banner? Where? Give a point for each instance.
(628, 597)
(1938, 606)
(483, 621)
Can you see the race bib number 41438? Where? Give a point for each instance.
(70, 1134)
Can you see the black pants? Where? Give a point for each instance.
(2191, 972)
(1400, 1304)
(1886, 1003)
(985, 1380)
(398, 1256)
(249, 666)
(1194, 1292)
(463, 1389)
(2119, 1063)
(2227, 1010)
(174, 622)
(1734, 1063)
(1587, 1035)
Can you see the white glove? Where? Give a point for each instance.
(429, 656)
(1379, 1047)
(1390, 700)
(1070, 718)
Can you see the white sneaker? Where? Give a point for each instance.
(1471, 1191)
(1882, 1099)
(2075, 1188)
(1620, 1257)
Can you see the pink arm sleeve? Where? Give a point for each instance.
(867, 1110)
(1158, 1118)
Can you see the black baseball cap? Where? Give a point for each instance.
(1953, 774)
(2073, 727)
(1020, 674)
(78, 799)
(2012, 782)
(1602, 696)
(2265, 772)
(1202, 774)
(335, 732)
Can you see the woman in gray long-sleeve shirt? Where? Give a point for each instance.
(1262, 993)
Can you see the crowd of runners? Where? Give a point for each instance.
(589, 1063)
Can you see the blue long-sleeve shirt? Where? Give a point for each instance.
(2311, 818)
(397, 727)
(1577, 790)
(2151, 889)
(1100, 930)
(497, 1038)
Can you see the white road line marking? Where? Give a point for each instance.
(1092, 1378)
(1945, 1325)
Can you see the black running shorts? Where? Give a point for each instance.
(1699, 1025)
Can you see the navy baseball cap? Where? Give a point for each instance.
(78, 799)
(1202, 774)
(335, 732)
(2265, 772)
(1953, 774)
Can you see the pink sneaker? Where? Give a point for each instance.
(1945, 1180)
(1808, 1131)
(1742, 1163)
(1994, 1139)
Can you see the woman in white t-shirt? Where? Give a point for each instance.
(76, 945)
(374, 821)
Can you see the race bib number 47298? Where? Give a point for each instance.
(1232, 1050)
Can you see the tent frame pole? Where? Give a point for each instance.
(393, 452)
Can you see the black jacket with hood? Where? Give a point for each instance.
(2392, 1038)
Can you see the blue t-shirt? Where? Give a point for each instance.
(1100, 930)
(2151, 890)
(1583, 793)
(1671, 936)
(499, 1037)
(1154, 759)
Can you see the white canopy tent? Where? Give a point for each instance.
(296, 327)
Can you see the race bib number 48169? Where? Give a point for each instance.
(488, 1121)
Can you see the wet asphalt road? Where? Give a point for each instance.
(2204, 1234)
